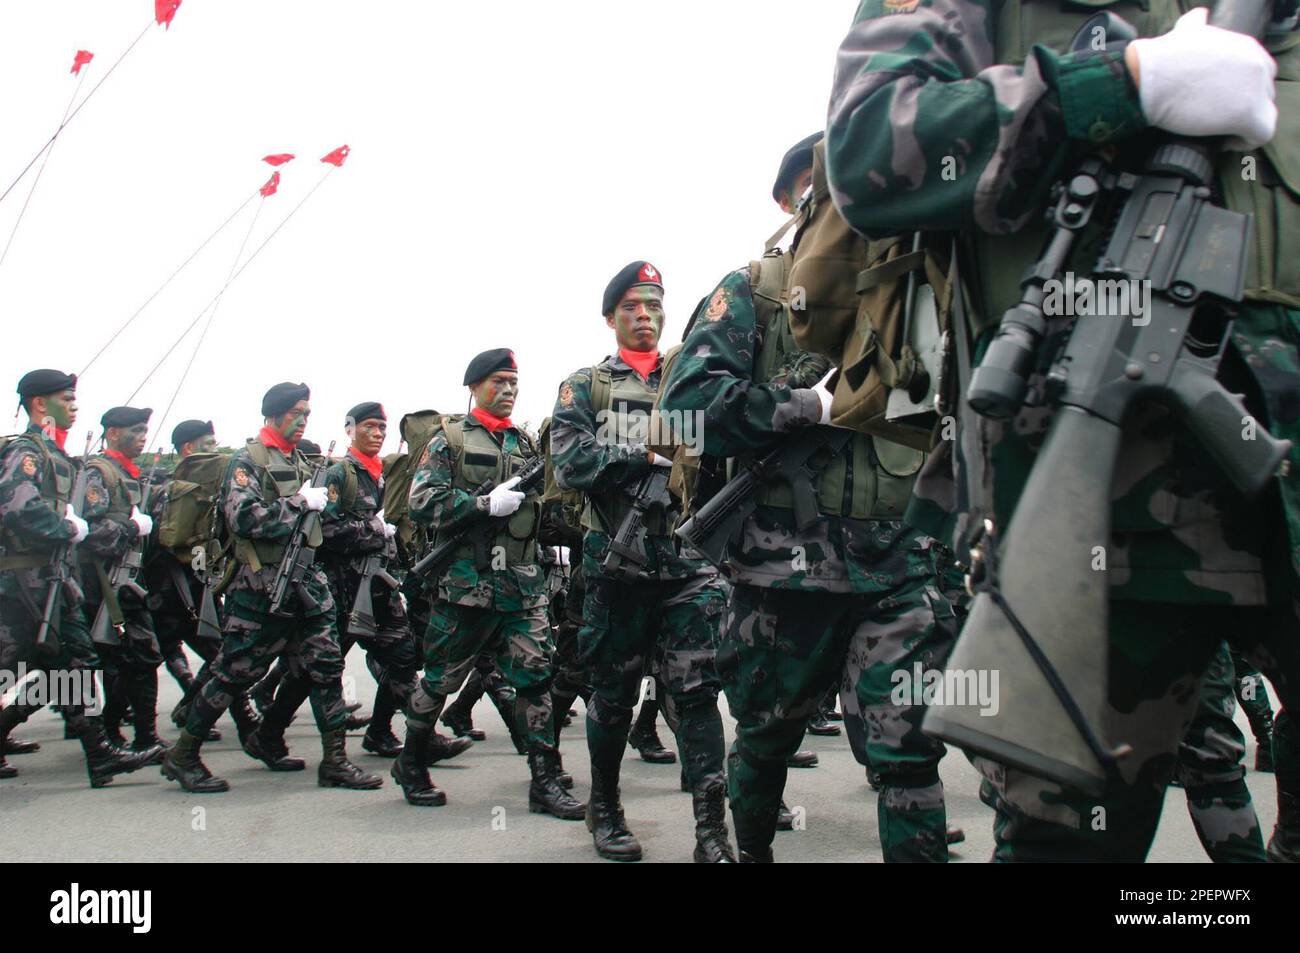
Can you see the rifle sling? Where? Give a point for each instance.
(109, 595)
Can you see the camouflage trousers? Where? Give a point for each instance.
(781, 650)
(670, 626)
(175, 618)
(252, 639)
(520, 641)
(1252, 695)
(1160, 657)
(131, 666)
(75, 652)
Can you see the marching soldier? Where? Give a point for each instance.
(114, 492)
(671, 612)
(38, 522)
(971, 134)
(491, 597)
(267, 490)
(841, 603)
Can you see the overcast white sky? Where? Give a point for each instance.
(508, 158)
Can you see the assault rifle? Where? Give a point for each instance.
(626, 557)
(124, 575)
(478, 528)
(361, 619)
(1040, 618)
(63, 566)
(719, 521)
(296, 565)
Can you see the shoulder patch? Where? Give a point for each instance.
(717, 309)
(566, 394)
(334, 492)
(92, 495)
(901, 6)
(29, 465)
(241, 476)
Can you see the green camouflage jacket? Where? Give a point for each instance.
(916, 90)
(442, 501)
(29, 520)
(585, 459)
(351, 531)
(713, 375)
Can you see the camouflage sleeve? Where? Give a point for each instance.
(345, 532)
(24, 511)
(584, 460)
(247, 513)
(435, 500)
(713, 376)
(925, 130)
(109, 537)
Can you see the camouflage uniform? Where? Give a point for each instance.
(499, 610)
(1189, 558)
(252, 638)
(847, 602)
(669, 617)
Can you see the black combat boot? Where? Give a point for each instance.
(266, 744)
(245, 717)
(458, 717)
(410, 771)
(143, 689)
(818, 724)
(560, 702)
(181, 713)
(644, 736)
(954, 834)
(1263, 733)
(546, 795)
(756, 857)
(11, 716)
(503, 700)
(182, 764)
(103, 760)
(711, 840)
(784, 818)
(263, 693)
(1284, 845)
(605, 819)
(336, 771)
(442, 748)
(803, 759)
(379, 737)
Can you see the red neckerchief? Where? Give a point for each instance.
(643, 362)
(374, 466)
(272, 438)
(60, 437)
(492, 422)
(125, 462)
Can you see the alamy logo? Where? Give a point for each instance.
(922, 686)
(98, 907)
(1108, 297)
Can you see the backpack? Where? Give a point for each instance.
(567, 502)
(189, 518)
(417, 429)
(880, 310)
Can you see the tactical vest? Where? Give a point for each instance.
(278, 477)
(55, 489)
(627, 402)
(872, 478)
(1273, 197)
(478, 458)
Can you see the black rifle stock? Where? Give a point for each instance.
(123, 576)
(1051, 653)
(626, 557)
(63, 569)
(296, 565)
(361, 618)
(719, 521)
(478, 528)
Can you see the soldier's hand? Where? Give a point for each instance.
(1200, 80)
(505, 499)
(143, 523)
(657, 460)
(824, 395)
(80, 528)
(389, 530)
(313, 497)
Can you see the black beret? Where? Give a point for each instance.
(44, 382)
(125, 416)
(799, 158)
(367, 410)
(489, 361)
(189, 430)
(281, 398)
(633, 274)
(309, 448)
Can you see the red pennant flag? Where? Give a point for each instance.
(164, 10)
(280, 158)
(337, 157)
(81, 59)
(272, 184)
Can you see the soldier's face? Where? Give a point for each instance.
(59, 410)
(790, 198)
(293, 424)
(205, 444)
(128, 441)
(638, 318)
(497, 392)
(368, 436)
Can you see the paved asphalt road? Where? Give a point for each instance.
(268, 816)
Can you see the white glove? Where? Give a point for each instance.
(824, 396)
(389, 529)
(314, 497)
(659, 461)
(1200, 80)
(81, 529)
(143, 523)
(505, 499)
(562, 555)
